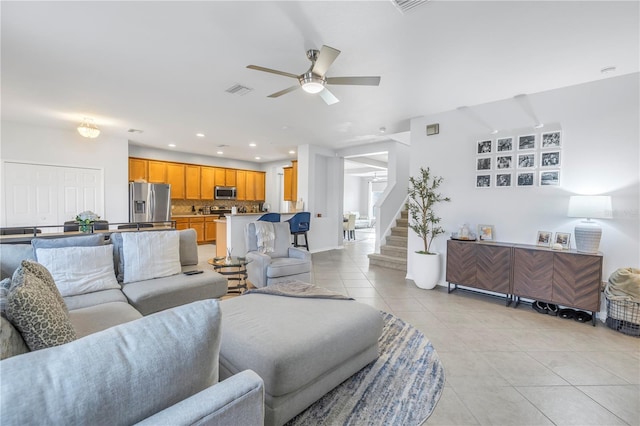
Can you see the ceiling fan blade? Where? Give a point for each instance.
(328, 97)
(258, 68)
(284, 92)
(356, 81)
(325, 58)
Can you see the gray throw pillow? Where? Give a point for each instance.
(36, 308)
(118, 255)
(188, 247)
(89, 240)
(11, 341)
(5, 285)
(11, 255)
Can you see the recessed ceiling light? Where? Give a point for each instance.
(220, 152)
(257, 158)
(494, 132)
(200, 135)
(252, 144)
(172, 145)
(292, 152)
(285, 127)
(607, 70)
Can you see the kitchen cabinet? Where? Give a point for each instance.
(250, 185)
(197, 223)
(207, 182)
(291, 182)
(230, 175)
(260, 186)
(241, 185)
(210, 229)
(192, 182)
(225, 177)
(137, 169)
(181, 223)
(157, 172)
(175, 177)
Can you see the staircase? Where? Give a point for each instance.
(393, 254)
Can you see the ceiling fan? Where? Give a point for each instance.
(315, 80)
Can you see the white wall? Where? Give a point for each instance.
(58, 147)
(600, 155)
(353, 194)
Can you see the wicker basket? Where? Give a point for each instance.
(623, 316)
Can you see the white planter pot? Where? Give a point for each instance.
(425, 269)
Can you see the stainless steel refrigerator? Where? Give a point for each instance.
(149, 202)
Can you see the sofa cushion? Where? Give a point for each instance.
(118, 376)
(11, 341)
(150, 255)
(79, 270)
(37, 310)
(188, 247)
(151, 296)
(88, 240)
(11, 255)
(96, 318)
(285, 266)
(96, 298)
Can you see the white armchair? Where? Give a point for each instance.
(285, 263)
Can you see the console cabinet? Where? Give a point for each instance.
(566, 278)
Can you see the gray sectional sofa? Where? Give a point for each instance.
(146, 352)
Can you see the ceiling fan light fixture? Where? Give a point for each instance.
(312, 83)
(88, 129)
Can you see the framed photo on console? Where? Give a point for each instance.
(485, 233)
(563, 238)
(543, 239)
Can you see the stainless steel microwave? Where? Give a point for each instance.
(224, 193)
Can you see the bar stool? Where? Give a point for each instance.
(299, 224)
(270, 217)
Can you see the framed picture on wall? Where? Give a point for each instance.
(544, 238)
(550, 159)
(483, 181)
(563, 238)
(485, 233)
(503, 180)
(504, 144)
(550, 178)
(484, 147)
(527, 142)
(526, 161)
(504, 162)
(526, 179)
(550, 140)
(483, 163)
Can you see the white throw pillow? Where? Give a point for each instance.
(150, 254)
(79, 270)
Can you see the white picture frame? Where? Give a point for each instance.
(504, 162)
(564, 239)
(544, 239)
(526, 179)
(486, 233)
(484, 164)
(483, 181)
(527, 160)
(504, 144)
(550, 159)
(551, 140)
(504, 180)
(484, 147)
(549, 178)
(527, 143)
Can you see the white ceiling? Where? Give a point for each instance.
(163, 67)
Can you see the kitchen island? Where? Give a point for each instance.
(230, 232)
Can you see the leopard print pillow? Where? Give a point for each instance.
(36, 308)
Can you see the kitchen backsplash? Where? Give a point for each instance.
(184, 206)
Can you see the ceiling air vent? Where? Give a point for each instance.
(238, 89)
(406, 6)
(222, 145)
(135, 131)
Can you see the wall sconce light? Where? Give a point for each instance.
(588, 232)
(88, 129)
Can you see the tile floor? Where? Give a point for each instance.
(503, 366)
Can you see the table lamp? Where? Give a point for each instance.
(588, 232)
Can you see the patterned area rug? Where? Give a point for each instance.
(401, 387)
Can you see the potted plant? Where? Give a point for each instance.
(423, 196)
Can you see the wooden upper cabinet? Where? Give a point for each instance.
(251, 186)
(260, 186)
(288, 183)
(207, 182)
(241, 185)
(230, 175)
(137, 169)
(221, 177)
(157, 172)
(175, 177)
(192, 185)
(294, 181)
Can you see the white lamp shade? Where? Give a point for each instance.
(590, 206)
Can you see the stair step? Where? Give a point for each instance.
(404, 223)
(404, 214)
(399, 231)
(394, 251)
(396, 241)
(388, 261)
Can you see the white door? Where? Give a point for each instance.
(39, 195)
